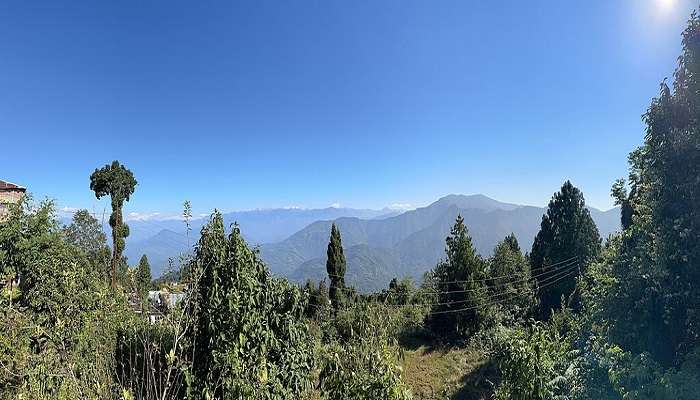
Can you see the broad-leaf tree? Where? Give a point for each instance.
(85, 232)
(250, 340)
(117, 182)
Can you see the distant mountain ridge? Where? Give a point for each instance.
(162, 239)
(413, 242)
(379, 244)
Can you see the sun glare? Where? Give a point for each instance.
(665, 6)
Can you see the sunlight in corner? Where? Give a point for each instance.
(665, 6)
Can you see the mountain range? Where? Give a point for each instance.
(379, 244)
(164, 239)
(409, 244)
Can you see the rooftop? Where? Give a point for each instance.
(4, 186)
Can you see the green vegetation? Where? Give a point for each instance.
(336, 266)
(143, 275)
(117, 182)
(461, 306)
(249, 337)
(576, 319)
(567, 233)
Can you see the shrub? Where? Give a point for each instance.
(366, 369)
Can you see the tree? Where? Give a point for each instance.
(85, 232)
(567, 232)
(251, 341)
(462, 307)
(58, 343)
(319, 300)
(509, 279)
(651, 296)
(117, 182)
(335, 265)
(143, 274)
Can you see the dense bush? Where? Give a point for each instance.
(250, 337)
(59, 336)
(535, 364)
(366, 369)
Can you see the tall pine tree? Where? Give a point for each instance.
(462, 304)
(336, 265)
(567, 231)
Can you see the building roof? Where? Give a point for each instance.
(8, 186)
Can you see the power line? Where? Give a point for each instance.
(542, 268)
(554, 268)
(497, 302)
(548, 281)
(545, 281)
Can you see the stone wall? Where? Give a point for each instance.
(8, 197)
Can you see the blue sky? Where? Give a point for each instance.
(363, 103)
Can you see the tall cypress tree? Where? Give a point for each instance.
(116, 181)
(567, 231)
(336, 265)
(143, 274)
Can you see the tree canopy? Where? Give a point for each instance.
(117, 182)
(567, 232)
(336, 266)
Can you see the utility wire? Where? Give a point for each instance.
(554, 269)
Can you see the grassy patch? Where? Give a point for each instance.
(448, 373)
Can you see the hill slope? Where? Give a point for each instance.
(416, 238)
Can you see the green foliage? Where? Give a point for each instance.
(143, 274)
(400, 292)
(319, 300)
(567, 230)
(85, 232)
(509, 281)
(336, 266)
(363, 370)
(250, 339)
(371, 319)
(462, 306)
(58, 339)
(535, 364)
(117, 182)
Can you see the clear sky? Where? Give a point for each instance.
(364, 103)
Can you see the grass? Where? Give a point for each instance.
(448, 373)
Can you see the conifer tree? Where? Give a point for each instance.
(459, 281)
(509, 279)
(335, 266)
(143, 274)
(117, 182)
(567, 232)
